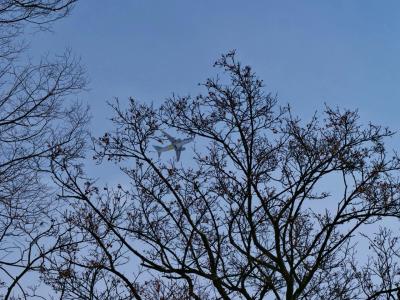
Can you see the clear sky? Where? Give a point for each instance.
(340, 52)
(309, 52)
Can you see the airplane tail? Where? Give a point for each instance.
(158, 149)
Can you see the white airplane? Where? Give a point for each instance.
(176, 144)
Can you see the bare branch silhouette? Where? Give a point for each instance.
(269, 207)
(37, 124)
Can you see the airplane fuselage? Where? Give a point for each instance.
(176, 144)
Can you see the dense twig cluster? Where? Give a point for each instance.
(269, 207)
(37, 125)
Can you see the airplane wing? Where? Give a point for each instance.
(171, 139)
(178, 153)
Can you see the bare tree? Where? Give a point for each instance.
(37, 124)
(38, 12)
(269, 207)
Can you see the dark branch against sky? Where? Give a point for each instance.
(314, 55)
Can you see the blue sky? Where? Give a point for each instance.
(340, 52)
(309, 52)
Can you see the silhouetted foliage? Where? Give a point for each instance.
(268, 207)
(37, 125)
(39, 12)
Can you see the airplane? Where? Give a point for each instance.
(176, 144)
